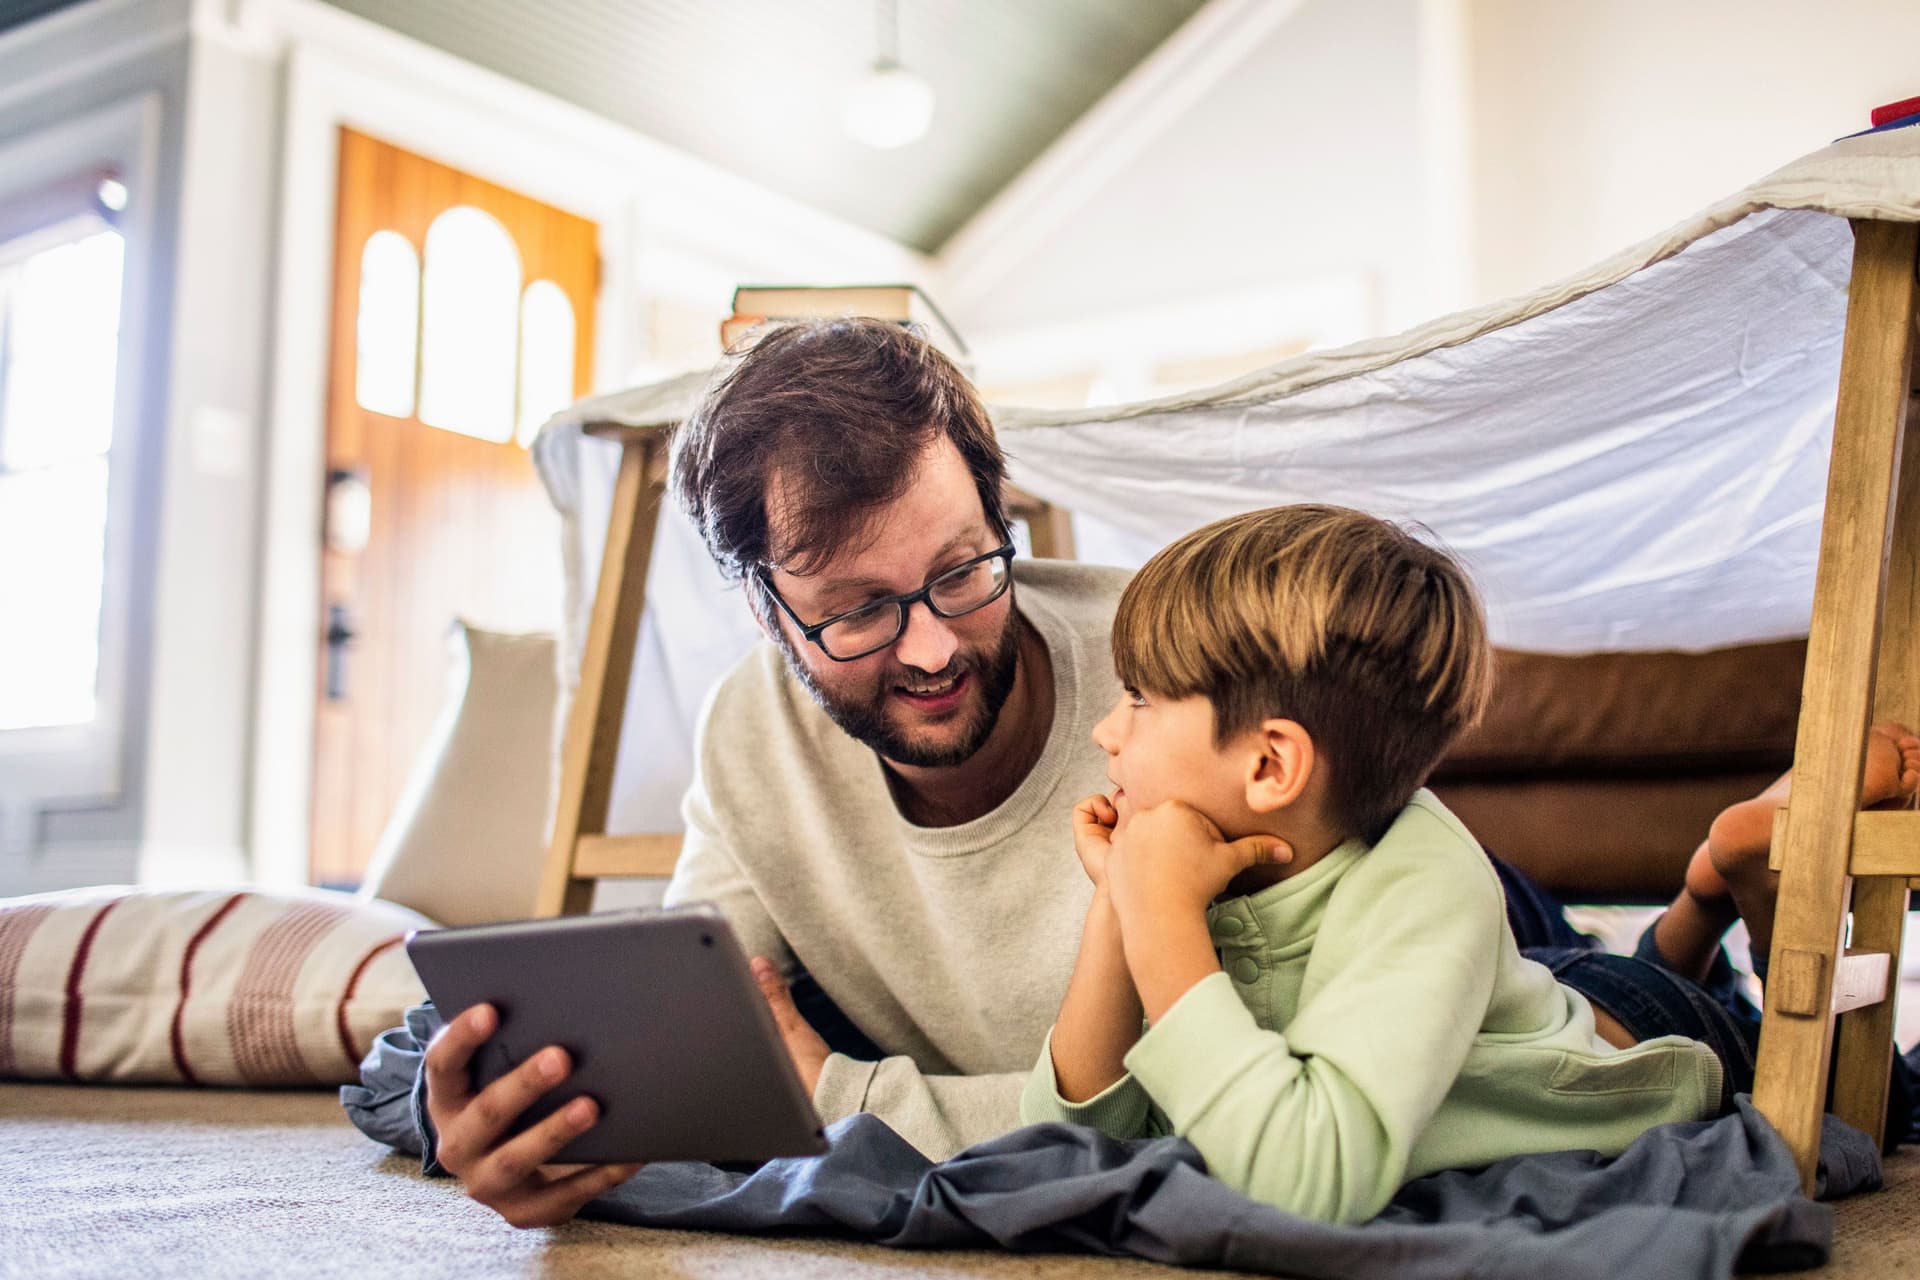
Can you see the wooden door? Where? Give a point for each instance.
(434, 511)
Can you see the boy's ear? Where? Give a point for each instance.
(1279, 766)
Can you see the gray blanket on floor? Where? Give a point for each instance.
(1702, 1199)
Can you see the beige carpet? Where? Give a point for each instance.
(216, 1183)
(122, 1182)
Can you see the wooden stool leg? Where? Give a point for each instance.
(600, 700)
(1880, 903)
(1797, 1035)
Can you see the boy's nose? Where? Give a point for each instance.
(1106, 734)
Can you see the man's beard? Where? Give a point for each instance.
(865, 719)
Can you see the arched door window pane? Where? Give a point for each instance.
(470, 315)
(546, 355)
(387, 330)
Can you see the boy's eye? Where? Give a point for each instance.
(1136, 698)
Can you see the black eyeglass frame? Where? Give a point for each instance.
(903, 602)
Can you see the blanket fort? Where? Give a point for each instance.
(1631, 459)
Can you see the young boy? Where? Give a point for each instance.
(1335, 1003)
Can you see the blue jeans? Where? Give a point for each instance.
(1649, 999)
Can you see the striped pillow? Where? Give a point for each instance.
(219, 986)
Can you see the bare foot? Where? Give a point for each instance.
(1732, 864)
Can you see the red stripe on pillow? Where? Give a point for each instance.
(260, 1019)
(353, 982)
(70, 1024)
(16, 926)
(176, 1038)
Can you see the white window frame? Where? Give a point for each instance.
(83, 762)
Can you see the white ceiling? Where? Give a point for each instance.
(755, 86)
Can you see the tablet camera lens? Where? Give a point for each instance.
(706, 939)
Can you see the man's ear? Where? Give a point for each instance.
(1280, 763)
(759, 608)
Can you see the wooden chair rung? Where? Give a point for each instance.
(598, 857)
(1886, 842)
(1861, 979)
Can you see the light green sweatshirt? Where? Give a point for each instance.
(1376, 1022)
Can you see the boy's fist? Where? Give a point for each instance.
(1094, 822)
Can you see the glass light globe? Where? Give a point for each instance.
(888, 107)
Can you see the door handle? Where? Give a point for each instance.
(340, 637)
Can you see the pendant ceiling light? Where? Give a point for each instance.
(890, 106)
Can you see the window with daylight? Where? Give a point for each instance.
(546, 355)
(60, 290)
(387, 327)
(469, 325)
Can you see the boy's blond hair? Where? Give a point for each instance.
(1370, 639)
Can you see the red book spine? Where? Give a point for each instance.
(1896, 111)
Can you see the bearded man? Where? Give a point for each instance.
(883, 792)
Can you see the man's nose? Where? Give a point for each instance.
(928, 642)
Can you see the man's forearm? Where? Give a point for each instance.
(1100, 1016)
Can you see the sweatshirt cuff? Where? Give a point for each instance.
(1198, 1048)
(1119, 1110)
(842, 1088)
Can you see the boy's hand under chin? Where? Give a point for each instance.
(1172, 858)
(1162, 870)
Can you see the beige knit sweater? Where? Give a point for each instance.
(950, 947)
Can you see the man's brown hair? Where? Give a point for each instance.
(832, 416)
(1370, 639)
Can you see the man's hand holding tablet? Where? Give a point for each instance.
(512, 1174)
(606, 1039)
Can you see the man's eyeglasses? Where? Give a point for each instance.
(878, 623)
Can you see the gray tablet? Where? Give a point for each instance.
(667, 1029)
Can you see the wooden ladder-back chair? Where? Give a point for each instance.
(1833, 859)
(582, 851)
(1862, 664)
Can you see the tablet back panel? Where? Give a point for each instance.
(667, 1030)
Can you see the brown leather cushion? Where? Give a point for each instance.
(1598, 774)
(1649, 714)
(1599, 839)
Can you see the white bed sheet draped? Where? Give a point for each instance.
(1631, 459)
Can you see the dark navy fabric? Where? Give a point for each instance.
(1704, 1199)
(1701, 1199)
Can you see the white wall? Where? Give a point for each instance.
(1294, 192)
(199, 737)
(1440, 152)
(1597, 125)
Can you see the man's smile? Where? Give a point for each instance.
(936, 697)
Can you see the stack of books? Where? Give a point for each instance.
(759, 307)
